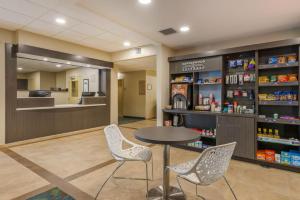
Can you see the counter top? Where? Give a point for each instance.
(174, 111)
(61, 107)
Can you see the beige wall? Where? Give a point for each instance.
(28, 38)
(162, 71)
(48, 80)
(271, 37)
(114, 96)
(150, 94)
(61, 80)
(134, 104)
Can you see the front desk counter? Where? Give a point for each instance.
(44, 121)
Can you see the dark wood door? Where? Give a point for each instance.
(239, 129)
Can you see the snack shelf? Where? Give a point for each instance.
(210, 137)
(279, 103)
(275, 66)
(182, 82)
(278, 141)
(204, 84)
(276, 84)
(279, 121)
(278, 165)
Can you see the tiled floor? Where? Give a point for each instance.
(79, 165)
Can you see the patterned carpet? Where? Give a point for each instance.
(53, 194)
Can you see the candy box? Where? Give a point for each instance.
(285, 158)
(270, 155)
(295, 158)
(260, 155)
(277, 158)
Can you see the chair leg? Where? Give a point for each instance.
(152, 177)
(118, 167)
(230, 187)
(147, 180)
(198, 195)
(129, 178)
(179, 184)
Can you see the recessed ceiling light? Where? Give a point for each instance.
(184, 28)
(20, 68)
(68, 63)
(45, 59)
(58, 65)
(60, 21)
(88, 65)
(145, 1)
(126, 43)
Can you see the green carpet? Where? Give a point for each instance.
(53, 194)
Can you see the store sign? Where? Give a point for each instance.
(192, 66)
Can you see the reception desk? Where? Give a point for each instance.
(45, 121)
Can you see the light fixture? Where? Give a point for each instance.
(58, 65)
(60, 21)
(126, 43)
(20, 68)
(45, 59)
(145, 1)
(68, 63)
(184, 28)
(88, 65)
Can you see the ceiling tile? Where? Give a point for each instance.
(70, 36)
(42, 27)
(111, 38)
(87, 29)
(14, 18)
(48, 3)
(52, 15)
(23, 7)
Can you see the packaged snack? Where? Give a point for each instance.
(232, 63)
(263, 79)
(252, 64)
(246, 63)
(285, 158)
(260, 155)
(273, 78)
(277, 158)
(292, 77)
(239, 63)
(281, 59)
(292, 59)
(295, 158)
(283, 78)
(273, 60)
(270, 155)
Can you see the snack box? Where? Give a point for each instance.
(270, 155)
(295, 158)
(260, 155)
(285, 158)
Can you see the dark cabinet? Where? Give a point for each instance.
(239, 129)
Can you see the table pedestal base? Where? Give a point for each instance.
(173, 194)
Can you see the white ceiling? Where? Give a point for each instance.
(137, 64)
(209, 20)
(106, 24)
(83, 26)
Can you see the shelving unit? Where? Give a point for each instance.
(231, 86)
(242, 127)
(287, 128)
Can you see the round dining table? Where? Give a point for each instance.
(166, 136)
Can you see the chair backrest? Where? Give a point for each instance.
(214, 162)
(114, 139)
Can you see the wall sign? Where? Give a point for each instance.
(192, 66)
(196, 65)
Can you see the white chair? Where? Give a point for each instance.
(135, 152)
(209, 167)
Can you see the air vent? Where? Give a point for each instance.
(168, 31)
